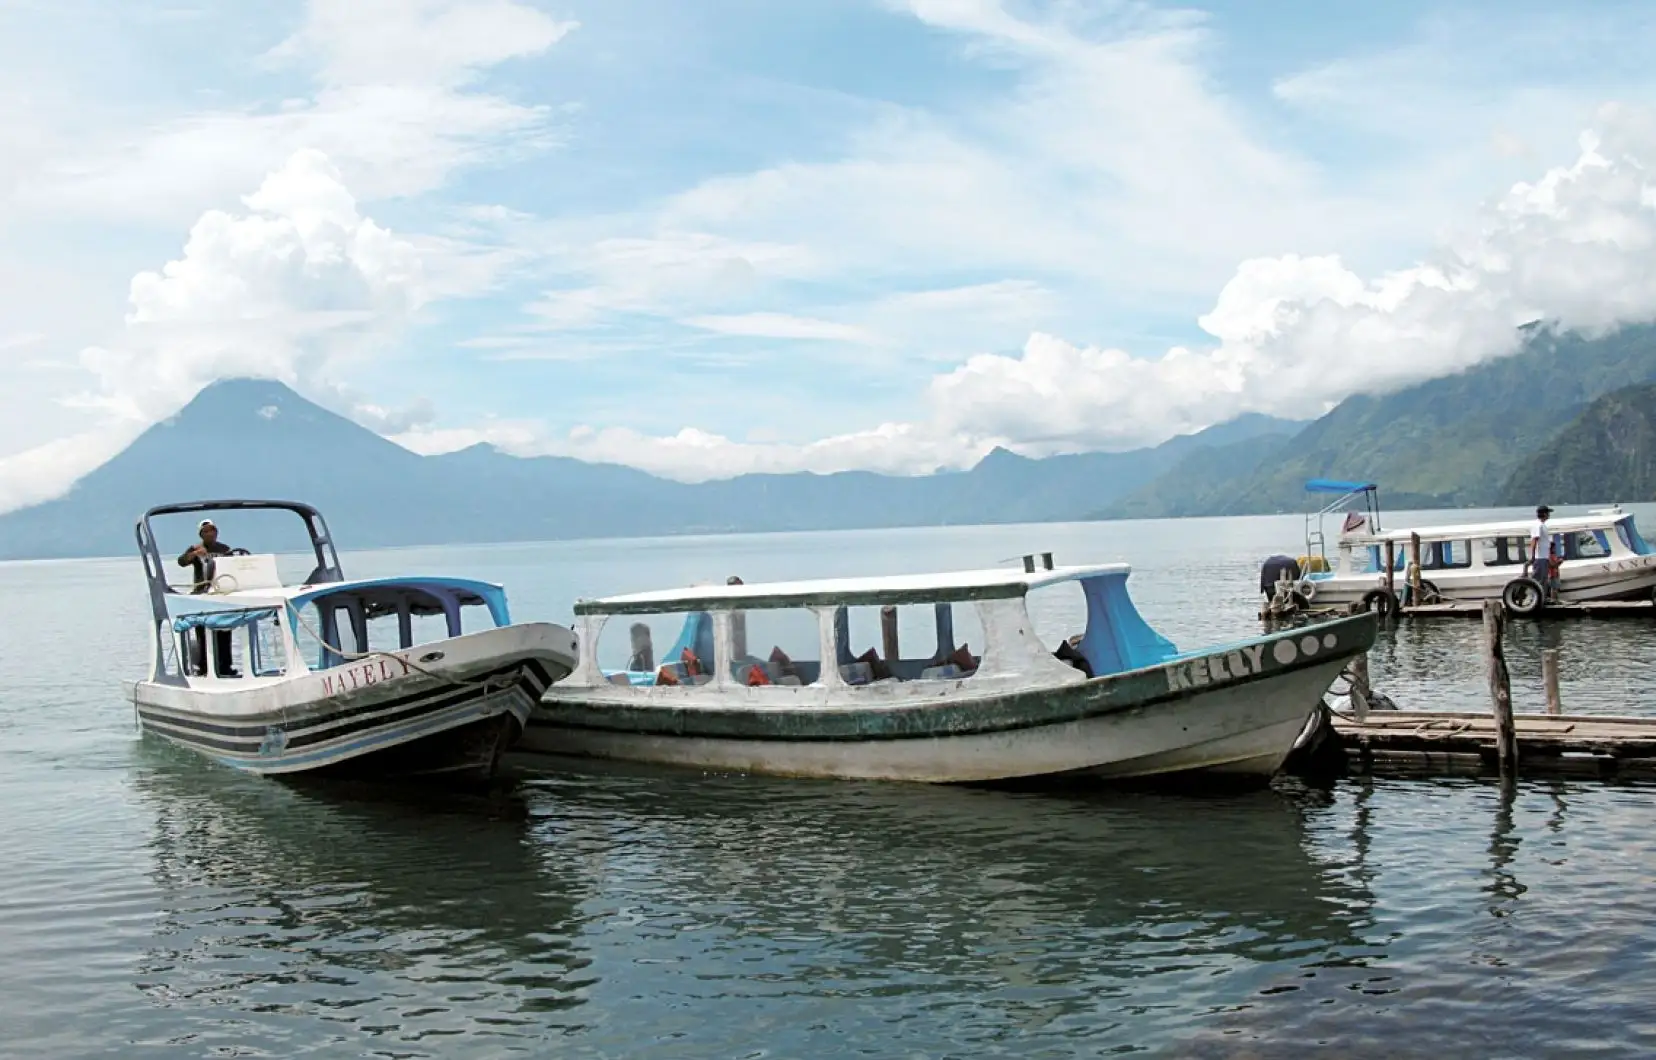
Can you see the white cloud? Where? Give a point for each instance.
(421, 42)
(46, 471)
(278, 291)
(1297, 335)
(694, 455)
(783, 326)
(394, 106)
(288, 290)
(1294, 335)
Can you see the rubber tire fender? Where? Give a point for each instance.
(1381, 602)
(1517, 585)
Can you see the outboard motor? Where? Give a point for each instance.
(1275, 569)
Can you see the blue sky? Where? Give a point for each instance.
(713, 237)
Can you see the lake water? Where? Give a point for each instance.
(155, 905)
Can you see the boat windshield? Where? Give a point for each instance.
(1630, 539)
(334, 624)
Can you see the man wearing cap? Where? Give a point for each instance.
(196, 558)
(1541, 551)
(196, 555)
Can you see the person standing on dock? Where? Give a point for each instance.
(1542, 567)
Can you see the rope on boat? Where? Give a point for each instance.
(487, 684)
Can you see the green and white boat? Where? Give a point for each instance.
(1116, 701)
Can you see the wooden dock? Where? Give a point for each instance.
(1370, 738)
(1589, 609)
(1440, 743)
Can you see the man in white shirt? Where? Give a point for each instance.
(1541, 550)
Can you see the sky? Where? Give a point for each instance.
(736, 235)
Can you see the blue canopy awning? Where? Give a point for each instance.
(1334, 485)
(221, 619)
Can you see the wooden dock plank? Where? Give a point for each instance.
(1584, 609)
(1441, 743)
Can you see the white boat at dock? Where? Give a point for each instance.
(1603, 559)
(1117, 701)
(374, 677)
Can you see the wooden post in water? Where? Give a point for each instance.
(1357, 671)
(1500, 688)
(1549, 678)
(888, 634)
(1414, 570)
(1391, 568)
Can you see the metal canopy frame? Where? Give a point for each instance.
(1315, 542)
(322, 547)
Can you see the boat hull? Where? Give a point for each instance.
(1185, 717)
(1579, 581)
(450, 716)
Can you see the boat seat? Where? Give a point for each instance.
(233, 574)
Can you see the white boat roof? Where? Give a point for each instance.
(1597, 520)
(992, 583)
(279, 595)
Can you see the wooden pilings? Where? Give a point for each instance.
(1549, 679)
(1357, 672)
(1391, 569)
(888, 634)
(1414, 571)
(1500, 688)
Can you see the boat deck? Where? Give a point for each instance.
(1438, 743)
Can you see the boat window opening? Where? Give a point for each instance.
(1586, 544)
(667, 648)
(328, 634)
(1377, 561)
(933, 642)
(1058, 613)
(1445, 555)
(266, 653)
(775, 646)
(1504, 551)
(172, 650)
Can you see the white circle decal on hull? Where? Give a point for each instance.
(1309, 645)
(1284, 652)
(1329, 640)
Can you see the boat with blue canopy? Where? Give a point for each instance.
(955, 684)
(1590, 557)
(413, 675)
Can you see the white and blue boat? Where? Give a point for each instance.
(935, 678)
(383, 677)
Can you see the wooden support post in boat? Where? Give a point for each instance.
(945, 631)
(1549, 678)
(888, 634)
(1357, 672)
(642, 659)
(738, 627)
(1500, 688)
(1414, 571)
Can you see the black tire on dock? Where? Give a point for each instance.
(1381, 602)
(1523, 596)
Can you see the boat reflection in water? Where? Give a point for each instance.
(321, 914)
(644, 912)
(971, 911)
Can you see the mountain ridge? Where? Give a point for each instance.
(257, 438)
